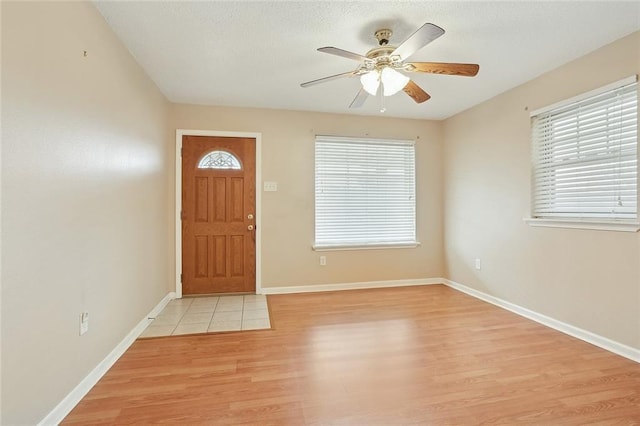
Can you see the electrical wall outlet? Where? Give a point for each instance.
(323, 260)
(84, 322)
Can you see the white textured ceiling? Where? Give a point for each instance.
(256, 53)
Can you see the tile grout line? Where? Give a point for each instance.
(213, 314)
(180, 319)
(187, 311)
(243, 308)
(174, 325)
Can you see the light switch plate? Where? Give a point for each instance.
(270, 186)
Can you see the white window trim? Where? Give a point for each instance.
(367, 247)
(351, 247)
(577, 223)
(584, 224)
(587, 95)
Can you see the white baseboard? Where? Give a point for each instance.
(350, 286)
(587, 336)
(73, 398)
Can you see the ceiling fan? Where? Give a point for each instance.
(382, 65)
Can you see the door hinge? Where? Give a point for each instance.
(180, 277)
(181, 215)
(181, 152)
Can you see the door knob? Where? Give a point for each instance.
(249, 216)
(250, 227)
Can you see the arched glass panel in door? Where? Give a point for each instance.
(220, 160)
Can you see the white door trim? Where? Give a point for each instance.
(258, 137)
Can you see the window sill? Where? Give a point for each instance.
(584, 224)
(367, 247)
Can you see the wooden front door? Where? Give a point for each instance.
(218, 215)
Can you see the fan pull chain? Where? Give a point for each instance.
(382, 107)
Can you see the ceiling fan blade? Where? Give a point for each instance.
(416, 92)
(325, 79)
(358, 101)
(467, 70)
(343, 53)
(425, 35)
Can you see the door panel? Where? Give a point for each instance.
(237, 255)
(218, 216)
(236, 202)
(202, 199)
(219, 197)
(219, 263)
(202, 256)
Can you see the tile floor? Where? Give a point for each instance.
(210, 314)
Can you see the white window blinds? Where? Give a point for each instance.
(585, 156)
(365, 192)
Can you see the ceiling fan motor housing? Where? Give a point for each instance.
(381, 56)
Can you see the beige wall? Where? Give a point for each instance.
(288, 214)
(87, 202)
(86, 193)
(590, 279)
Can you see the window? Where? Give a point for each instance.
(365, 193)
(219, 160)
(585, 157)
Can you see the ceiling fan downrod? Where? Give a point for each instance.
(383, 36)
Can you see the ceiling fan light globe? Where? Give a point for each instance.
(370, 82)
(393, 81)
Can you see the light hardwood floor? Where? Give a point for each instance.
(416, 355)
